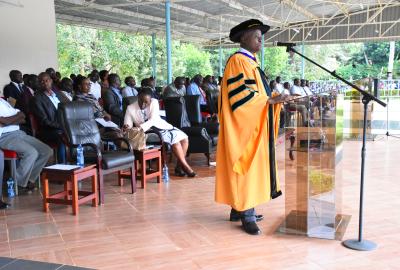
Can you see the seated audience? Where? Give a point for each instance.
(113, 100)
(306, 89)
(272, 85)
(82, 94)
(16, 87)
(151, 83)
(33, 154)
(279, 86)
(103, 74)
(31, 86)
(66, 89)
(129, 90)
(44, 107)
(212, 93)
(297, 105)
(72, 76)
(144, 113)
(297, 90)
(95, 87)
(175, 89)
(55, 80)
(195, 89)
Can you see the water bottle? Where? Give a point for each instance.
(80, 160)
(10, 188)
(165, 174)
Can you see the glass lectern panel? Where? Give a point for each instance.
(313, 153)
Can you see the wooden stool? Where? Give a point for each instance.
(71, 179)
(141, 156)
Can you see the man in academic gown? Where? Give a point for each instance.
(248, 112)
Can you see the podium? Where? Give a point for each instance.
(313, 160)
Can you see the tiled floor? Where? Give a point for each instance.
(179, 226)
(20, 264)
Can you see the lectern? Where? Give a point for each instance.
(313, 167)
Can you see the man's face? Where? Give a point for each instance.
(17, 77)
(297, 82)
(252, 40)
(34, 83)
(52, 73)
(179, 84)
(94, 77)
(45, 82)
(85, 86)
(68, 85)
(144, 101)
(132, 82)
(200, 80)
(117, 82)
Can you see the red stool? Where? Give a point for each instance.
(12, 157)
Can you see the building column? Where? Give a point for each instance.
(168, 39)
(153, 56)
(303, 63)
(220, 73)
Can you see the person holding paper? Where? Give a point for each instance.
(144, 113)
(82, 89)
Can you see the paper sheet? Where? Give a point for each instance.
(64, 167)
(105, 123)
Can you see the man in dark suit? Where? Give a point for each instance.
(44, 108)
(16, 87)
(24, 102)
(113, 100)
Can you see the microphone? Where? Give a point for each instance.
(284, 44)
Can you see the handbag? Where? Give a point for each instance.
(137, 138)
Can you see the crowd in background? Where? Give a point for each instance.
(31, 101)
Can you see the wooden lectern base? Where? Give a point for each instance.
(296, 223)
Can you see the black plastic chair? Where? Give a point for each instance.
(199, 139)
(80, 127)
(193, 110)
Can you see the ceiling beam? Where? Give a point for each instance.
(370, 19)
(292, 4)
(136, 15)
(268, 19)
(131, 28)
(201, 13)
(342, 7)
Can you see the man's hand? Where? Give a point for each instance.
(107, 117)
(125, 128)
(21, 115)
(278, 99)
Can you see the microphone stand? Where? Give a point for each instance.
(360, 243)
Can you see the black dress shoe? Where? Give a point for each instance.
(251, 228)
(4, 205)
(179, 172)
(236, 217)
(190, 174)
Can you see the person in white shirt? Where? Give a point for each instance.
(129, 90)
(144, 113)
(95, 87)
(299, 105)
(296, 89)
(279, 86)
(32, 153)
(303, 84)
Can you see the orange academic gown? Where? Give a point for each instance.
(246, 166)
